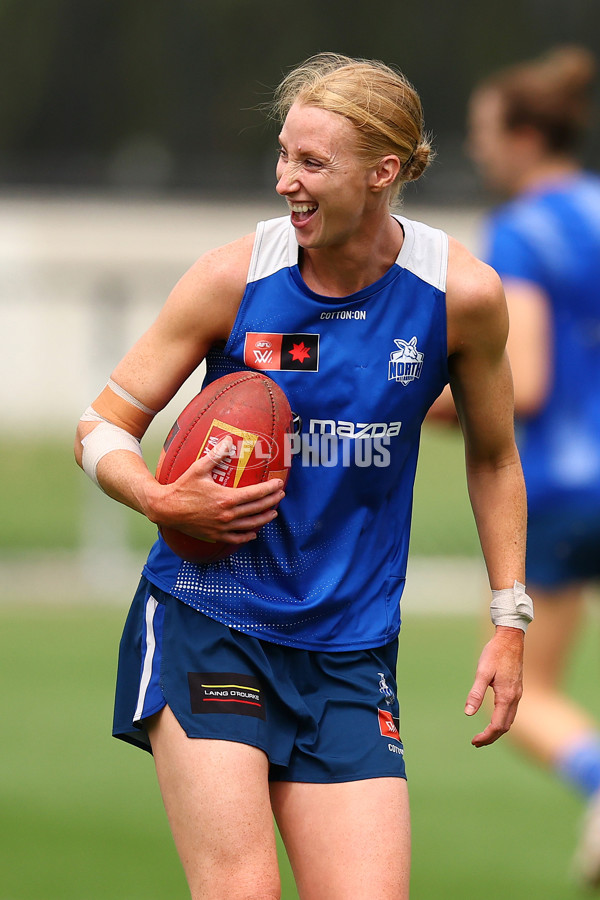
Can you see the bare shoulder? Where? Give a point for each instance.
(471, 281)
(475, 302)
(227, 265)
(211, 290)
(198, 314)
(223, 270)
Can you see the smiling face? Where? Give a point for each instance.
(327, 186)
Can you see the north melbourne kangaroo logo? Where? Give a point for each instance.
(406, 362)
(385, 689)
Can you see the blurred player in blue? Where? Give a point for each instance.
(526, 128)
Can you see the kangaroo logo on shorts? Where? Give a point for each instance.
(385, 689)
(406, 362)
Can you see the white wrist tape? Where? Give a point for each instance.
(512, 607)
(102, 440)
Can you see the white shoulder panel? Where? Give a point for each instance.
(424, 252)
(275, 248)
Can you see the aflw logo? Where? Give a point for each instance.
(276, 352)
(405, 363)
(263, 352)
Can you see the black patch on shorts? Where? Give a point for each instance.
(225, 692)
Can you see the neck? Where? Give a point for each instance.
(339, 271)
(550, 170)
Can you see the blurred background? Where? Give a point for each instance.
(164, 96)
(132, 139)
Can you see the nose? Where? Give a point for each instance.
(287, 178)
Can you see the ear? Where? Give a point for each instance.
(384, 173)
(528, 136)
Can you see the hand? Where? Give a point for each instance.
(501, 668)
(196, 505)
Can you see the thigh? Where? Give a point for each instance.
(217, 800)
(346, 841)
(558, 615)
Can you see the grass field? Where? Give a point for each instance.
(81, 818)
(80, 813)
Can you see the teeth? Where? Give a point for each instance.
(301, 207)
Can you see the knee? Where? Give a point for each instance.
(254, 893)
(231, 887)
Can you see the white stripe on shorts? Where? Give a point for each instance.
(151, 605)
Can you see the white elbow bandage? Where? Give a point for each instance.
(105, 438)
(512, 607)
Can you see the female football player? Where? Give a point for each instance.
(305, 615)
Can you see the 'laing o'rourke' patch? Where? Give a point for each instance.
(225, 692)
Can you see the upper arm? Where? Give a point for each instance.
(199, 313)
(529, 342)
(480, 374)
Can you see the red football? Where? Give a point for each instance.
(251, 408)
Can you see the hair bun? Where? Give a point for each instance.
(573, 67)
(421, 157)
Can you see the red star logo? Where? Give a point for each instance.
(299, 352)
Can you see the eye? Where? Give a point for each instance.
(281, 153)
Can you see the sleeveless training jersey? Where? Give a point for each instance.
(551, 237)
(361, 372)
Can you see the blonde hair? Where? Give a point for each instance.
(551, 93)
(379, 101)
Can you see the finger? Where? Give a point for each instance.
(266, 490)
(256, 507)
(502, 718)
(512, 714)
(475, 696)
(215, 455)
(224, 448)
(227, 537)
(252, 523)
(237, 538)
(241, 530)
(250, 493)
(489, 736)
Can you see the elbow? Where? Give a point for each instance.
(78, 450)
(83, 428)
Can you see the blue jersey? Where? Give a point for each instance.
(551, 237)
(361, 372)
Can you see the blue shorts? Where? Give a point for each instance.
(320, 717)
(563, 546)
